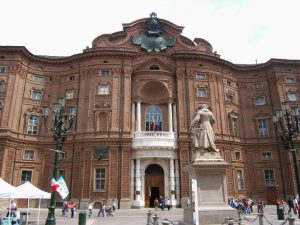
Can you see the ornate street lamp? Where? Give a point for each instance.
(63, 120)
(287, 121)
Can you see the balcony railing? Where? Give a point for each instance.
(157, 139)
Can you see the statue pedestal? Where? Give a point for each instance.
(209, 201)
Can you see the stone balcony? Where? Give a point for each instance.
(157, 139)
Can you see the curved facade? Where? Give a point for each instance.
(136, 92)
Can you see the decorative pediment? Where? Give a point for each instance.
(154, 64)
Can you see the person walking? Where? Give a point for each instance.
(113, 204)
(156, 203)
(72, 208)
(290, 204)
(168, 204)
(91, 206)
(162, 202)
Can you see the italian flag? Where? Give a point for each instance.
(54, 185)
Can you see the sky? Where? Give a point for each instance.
(241, 31)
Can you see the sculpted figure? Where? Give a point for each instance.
(201, 128)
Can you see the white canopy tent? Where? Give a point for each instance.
(24, 191)
(6, 190)
(29, 191)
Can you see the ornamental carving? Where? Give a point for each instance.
(102, 106)
(35, 109)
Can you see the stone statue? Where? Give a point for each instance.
(201, 128)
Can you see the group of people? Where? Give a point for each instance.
(104, 210)
(246, 205)
(161, 203)
(66, 206)
(292, 204)
(13, 213)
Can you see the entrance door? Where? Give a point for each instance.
(271, 195)
(154, 184)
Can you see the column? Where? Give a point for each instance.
(174, 117)
(133, 117)
(170, 117)
(172, 183)
(138, 183)
(177, 183)
(132, 180)
(139, 115)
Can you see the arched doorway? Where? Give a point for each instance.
(154, 184)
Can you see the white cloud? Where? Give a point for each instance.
(240, 30)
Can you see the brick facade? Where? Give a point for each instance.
(153, 78)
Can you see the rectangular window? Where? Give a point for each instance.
(263, 128)
(69, 95)
(237, 155)
(259, 101)
(234, 127)
(37, 95)
(104, 73)
(71, 77)
(258, 85)
(269, 178)
(2, 86)
(38, 79)
(266, 156)
(200, 76)
(292, 96)
(229, 98)
(202, 93)
(100, 179)
(26, 176)
(290, 80)
(103, 90)
(62, 155)
(2, 69)
(29, 155)
(297, 118)
(240, 180)
(33, 124)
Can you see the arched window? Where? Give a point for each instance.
(153, 119)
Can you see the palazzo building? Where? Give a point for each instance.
(136, 92)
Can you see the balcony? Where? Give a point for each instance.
(157, 139)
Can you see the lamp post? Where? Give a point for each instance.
(287, 121)
(63, 120)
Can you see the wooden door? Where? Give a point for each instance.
(271, 195)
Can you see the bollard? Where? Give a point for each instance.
(239, 217)
(260, 219)
(82, 218)
(165, 222)
(149, 214)
(291, 220)
(155, 219)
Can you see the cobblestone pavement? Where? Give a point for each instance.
(139, 217)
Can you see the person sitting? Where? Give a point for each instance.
(16, 216)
